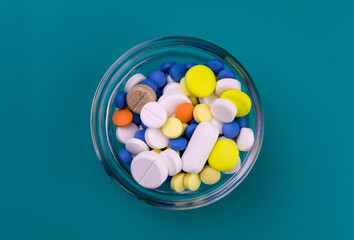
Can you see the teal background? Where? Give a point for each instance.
(52, 57)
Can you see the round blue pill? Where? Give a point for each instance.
(136, 118)
(178, 144)
(159, 93)
(216, 65)
(120, 100)
(165, 67)
(190, 130)
(159, 77)
(140, 135)
(226, 73)
(144, 127)
(231, 129)
(241, 121)
(125, 156)
(189, 65)
(151, 83)
(177, 72)
(193, 121)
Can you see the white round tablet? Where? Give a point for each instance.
(223, 110)
(170, 101)
(172, 87)
(169, 79)
(236, 168)
(217, 124)
(153, 115)
(149, 169)
(226, 84)
(245, 139)
(134, 80)
(125, 133)
(173, 161)
(136, 146)
(155, 138)
(208, 99)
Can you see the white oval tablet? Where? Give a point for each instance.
(134, 80)
(149, 169)
(153, 115)
(172, 87)
(173, 161)
(136, 146)
(217, 124)
(227, 84)
(208, 99)
(125, 133)
(155, 138)
(199, 147)
(236, 168)
(245, 139)
(169, 79)
(170, 101)
(223, 110)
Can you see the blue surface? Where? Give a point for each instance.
(226, 73)
(140, 135)
(231, 129)
(216, 65)
(120, 100)
(53, 55)
(177, 72)
(178, 144)
(159, 77)
(165, 67)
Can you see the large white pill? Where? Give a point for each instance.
(155, 138)
(153, 115)
(172, 87)
(149, 169)
(125, 133)
(223, 110)
(208, 99)
(236, 168)
(217, 124)
(173, 161)
(136, 146)
(171, 101)
(199, 147)
(245, 139)
(226, 84)
(134, 80)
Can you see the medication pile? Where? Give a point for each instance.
(183, 125)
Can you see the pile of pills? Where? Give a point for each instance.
(183, 125)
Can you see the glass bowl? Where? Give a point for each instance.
(145, 58)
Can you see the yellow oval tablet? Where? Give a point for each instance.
(241, 100)
(200, 81)
(191, 181)
(156, 150)
(194, 100)
(184, 88)
(201, 113)
(172, 128)
(209, 175)
(177, 182)
(224, 155)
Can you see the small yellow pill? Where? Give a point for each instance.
(194, 100)
(192, 181)
(177, 182)
(184, 126)
(179, 154)
(209, 175)
(156, 150)
(201, 113)
(172, 128)
(184, 88)
(224, 155)
(200, 81)
(241, 100)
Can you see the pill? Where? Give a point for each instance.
(199, 147)
(169, 79)
(226, 84)
(159, 77)
(173, 161)
(224, 155)
(149, 169)
(217, 124)
(184, 126)
(209, 175)
(143, 126)
(241, 121)
(177, 72)
(136, 118)
(226, 73)
(138, 96)
(125, 156)
(223, 110)
(236, 168)
(153, 115)
(201, 113)
(194, 100)
(134, 80)
(140, 135)
(125, 133)
(151, 83)
(184, 88)
(245, 139)
(200, 81)
(193, 121)
(216, 65)
(191, 181)
(155, 138)
(179, 154)
(172, 87)
(177, 182)
(172, 128)
(240, 99)
(190, 130)
(136, 146)
(208, 99)
(120, 100)
(189, 65)
(122, 117)
(231, 129)
(171, 101)
(159, 92)
(157, 151)
(178, 144)
(184, 112)
(165, 67)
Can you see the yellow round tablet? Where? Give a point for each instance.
(156, 150)
(241, 100)
(184, 88)
(172, 128)
(200, 81)
(168, 147)
(194, 100)
(177, 182)
(192, 181)
(201, 113)
(224, 155)
(209, 175)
